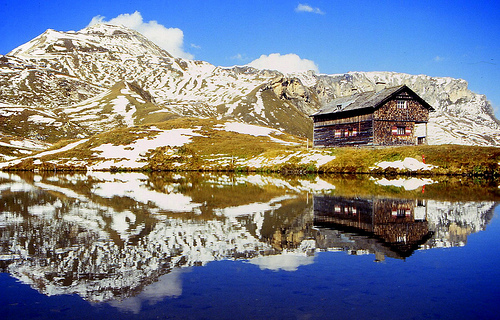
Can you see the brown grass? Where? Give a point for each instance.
(450, 159)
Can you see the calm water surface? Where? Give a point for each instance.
(216, 246)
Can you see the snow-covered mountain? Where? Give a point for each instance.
(106, 76)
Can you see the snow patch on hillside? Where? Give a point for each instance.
(39, 119)
(314, 157)
(131, 156)
(410, 164)
(253, 130)
(121, 106)
(249, 129)
(46, 153)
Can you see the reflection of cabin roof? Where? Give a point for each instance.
(367, 102)
(366, 240)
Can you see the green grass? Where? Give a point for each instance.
(450, 159)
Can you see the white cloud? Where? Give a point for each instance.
(438, 59)
(288, 63)
(307, 8)
(170, 39)
(240, 57)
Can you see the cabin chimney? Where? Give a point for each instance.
(380, 85)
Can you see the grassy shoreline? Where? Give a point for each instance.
(447, 160)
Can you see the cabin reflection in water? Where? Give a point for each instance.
(385, 227)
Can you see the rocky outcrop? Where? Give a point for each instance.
(461, 116)
(291, 89)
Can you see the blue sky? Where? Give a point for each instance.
(458, 39)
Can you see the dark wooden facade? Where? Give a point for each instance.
(392, 116)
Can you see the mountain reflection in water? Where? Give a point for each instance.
(129, 236)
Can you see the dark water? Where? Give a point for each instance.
(214, 246)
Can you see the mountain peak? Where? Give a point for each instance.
(95, 38)
(105, 29)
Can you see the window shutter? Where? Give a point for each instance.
(354, 132)
(408, 131)
(394, 130)
(337, 133)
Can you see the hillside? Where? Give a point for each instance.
(193, 144)
(178, 144)
(65, 85)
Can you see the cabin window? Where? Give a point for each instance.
(401, 213)
(401, 131)
(402, 104)
(344, 133)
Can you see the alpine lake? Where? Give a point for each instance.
(101, 245)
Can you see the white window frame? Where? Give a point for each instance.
(402, 104)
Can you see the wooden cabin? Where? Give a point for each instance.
(389, 117)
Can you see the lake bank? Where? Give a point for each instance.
(409, 160)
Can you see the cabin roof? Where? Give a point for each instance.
(367, 101)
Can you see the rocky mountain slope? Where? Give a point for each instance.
(106, 76)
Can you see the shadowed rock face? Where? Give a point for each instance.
(84, 76)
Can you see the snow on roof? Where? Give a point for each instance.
(358, 101)
(366, 100)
